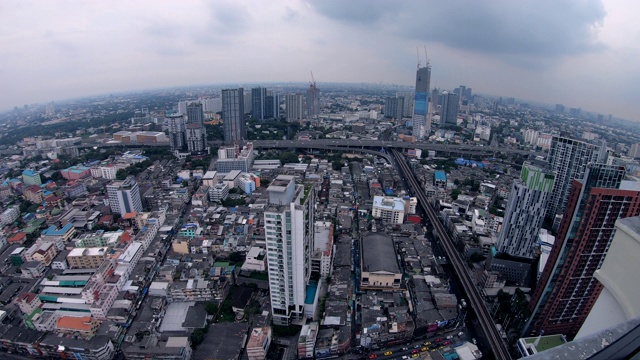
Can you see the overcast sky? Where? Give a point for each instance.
(579, 53)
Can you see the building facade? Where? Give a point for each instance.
(289, 220)
(235, 129)
(294, 104)
(124, 196)
(450, 104)
(569, 158)
(421, 120)
(568, 289)
(525, 211)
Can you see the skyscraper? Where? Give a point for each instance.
(195, 113)
(272, 106)
(294, 107)
(235, 129)
(289, 232)
(568, 158)
(421, 120)
(124, 196)
(567, 289)
(407, 107)
(435, 99)
(525, 211)
(177, 134)
(449, 105)
(312, 101)
(258, 103)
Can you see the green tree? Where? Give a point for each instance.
(288, 157)
(455, 193)
(211, 308)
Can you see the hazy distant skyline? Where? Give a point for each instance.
(578, 53)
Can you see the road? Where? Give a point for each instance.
(498, 347)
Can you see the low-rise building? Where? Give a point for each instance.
(259, 342)
(87, 258)
(84, 327)
(388, 209)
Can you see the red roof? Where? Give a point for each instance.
(126, 237)
(19, 237)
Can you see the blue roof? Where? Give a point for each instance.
(441, 175)
(52, 231)
(29, 173)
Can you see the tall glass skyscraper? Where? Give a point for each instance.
(421, 120)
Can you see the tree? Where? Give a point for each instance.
(197, 337)
(288, 157)
(211, 308)
(455, 193)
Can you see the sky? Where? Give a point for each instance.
(581, 53)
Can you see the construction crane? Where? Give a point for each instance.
(313, 82)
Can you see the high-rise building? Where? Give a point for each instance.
(124, 196)
(235, 129)
(394, 107)
(435, 99)
(272, 106)
(559, 108)
(634, 151)
(312, 102)
(568, 289)
(407, 107)
(288, 222)
(449, 105)
(195, 113)
(421, 121)
(525, 211)
(568, 159)
(294, 107)
(196, 138)
(177, 133)
(258, 103)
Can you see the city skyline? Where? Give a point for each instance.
(70, 50)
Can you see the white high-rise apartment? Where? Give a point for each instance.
(124, 196)
(525, 211)
(289, 220)
(568, 159)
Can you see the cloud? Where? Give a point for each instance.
(513, 29)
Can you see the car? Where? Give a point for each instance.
(405, 348)
(418, 346)
(415, 355)
(387, 353)
(373, 356)
(414, 351)
(424, 349)
(449, 337)
(446, 342)
(404, 357)
(460, 333)
(427, 343)
(438, 340)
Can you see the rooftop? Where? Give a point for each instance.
(379, 253)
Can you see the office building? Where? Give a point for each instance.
(177, 132)
(195, 114)
(568, 159)
(235, 129)
(618, 300)
(568, 289)
(272, 106)
(421, 120)
(294, 111)
(124, 196)
(449, 105)
(525, 211)
(407, 106)
(258, 102)
(289, 219)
